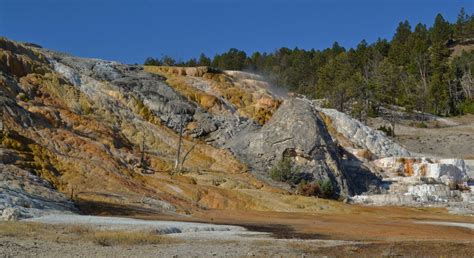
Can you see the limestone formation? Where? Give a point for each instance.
(446, 171)
(24, 195)
(81, 123)
(363, 136)
(295, 130)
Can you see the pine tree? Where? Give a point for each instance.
(440, 34)
(399, 52)
(441, 31)
(461, 27)
(204, 60)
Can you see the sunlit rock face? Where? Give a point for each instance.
(363, 136)
(296, 131)
(401, 178)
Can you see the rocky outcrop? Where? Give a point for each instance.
(422, 181)
(446, 171)
(226, 94)
(362, 136)
(108, 133)
(470, 169)
(149, 89)
(295, 131)
(24, 195)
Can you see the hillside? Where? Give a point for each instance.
(107, 136)
(82, 136)
(81, 125)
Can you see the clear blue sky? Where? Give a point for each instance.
(131, 30)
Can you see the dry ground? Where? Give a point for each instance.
(348, 230)
(370, 232)
(449, 138)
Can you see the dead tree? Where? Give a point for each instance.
(393, 119)
(1, 121)
(142, 157)
(186, 155)
(179, 162)
(2, 124)
(176, 162)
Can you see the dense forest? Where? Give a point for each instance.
(416, 69)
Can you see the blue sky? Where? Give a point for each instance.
(131, 30)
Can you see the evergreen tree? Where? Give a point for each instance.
(441, 31)
(168, 60)
(204, 60)
(461, 28)
(234, 59)
(415, 69)
(152, 61)
(399, 52)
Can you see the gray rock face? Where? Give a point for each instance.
(24, 195)
(152, 90)
(161, 99)
(297, 131)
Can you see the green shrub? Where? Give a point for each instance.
(327, 190)
(285, 172)
(467, 107)
(421, 125)
(387, 130)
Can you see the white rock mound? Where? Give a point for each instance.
(447, 171)
(363, 136)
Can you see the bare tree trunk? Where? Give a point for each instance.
(3, 129)
(467, 83)
(186, 155)
(176, 162)
(1, 121)
(142, 158)
(422, 69)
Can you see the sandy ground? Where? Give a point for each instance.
(203, 248)
(354, 230)
(448, 137)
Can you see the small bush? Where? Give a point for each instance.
(284, 171)
(467, 107)
(327, 190)
(421, 125)
(387, 130)
(309, 189)
(321, 188)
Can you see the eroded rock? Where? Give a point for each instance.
(295, 130)
(10, 214)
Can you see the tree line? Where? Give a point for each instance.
(415, 69)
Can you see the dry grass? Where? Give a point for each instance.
(110, 238)
(18, 229)
(74, 233)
